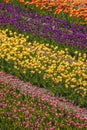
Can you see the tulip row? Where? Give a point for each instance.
(44, 65)
(76, 9)
(25, 110)
(47, 27)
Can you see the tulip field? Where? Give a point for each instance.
(43, 64)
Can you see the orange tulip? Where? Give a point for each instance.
(21, 1)
(6, 1)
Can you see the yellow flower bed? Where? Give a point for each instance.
(44, 59)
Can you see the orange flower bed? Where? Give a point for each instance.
(77, 8)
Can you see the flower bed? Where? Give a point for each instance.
(48, 27)
(43, 45)
(25, 110)
(76, 8)
(44, 65)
